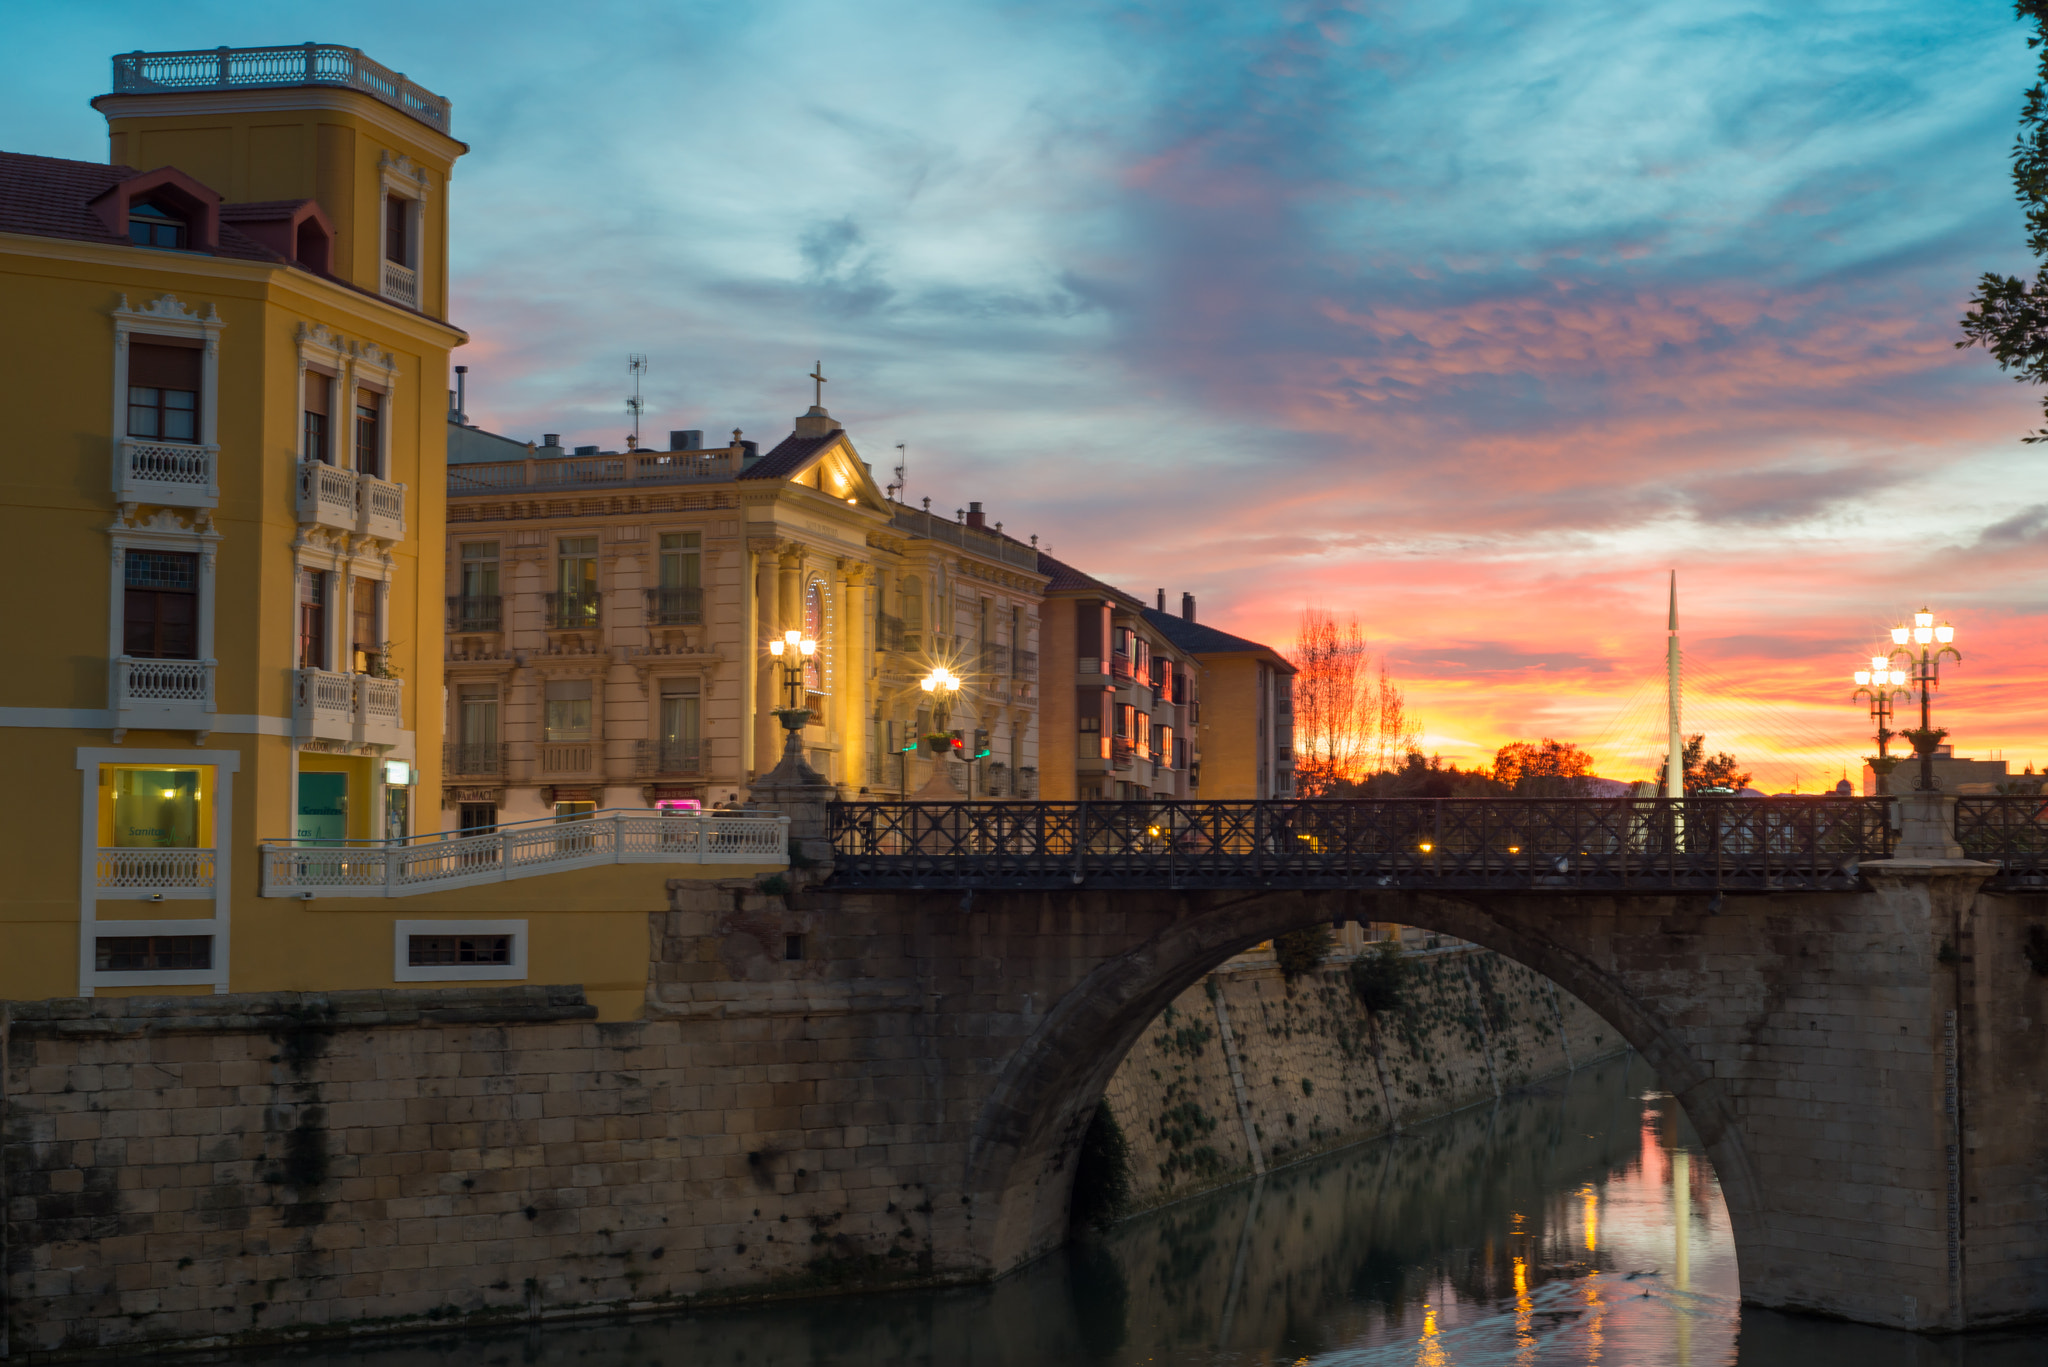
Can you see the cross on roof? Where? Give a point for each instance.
(818, 374)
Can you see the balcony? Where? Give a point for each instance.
(1120, 667)
(243, 68)
(169, 474)
(155, 870)
(1122, 754)
(348, 707)
(994, 661)
(473, 759)
(663, 758)
(427, 863)
(570, 759)
(401, 284)
(575, 611)
(1024, 664)
(350, 501)
(675, 607)
(162, 695)
(484, 612)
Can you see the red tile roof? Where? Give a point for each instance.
(47, 197)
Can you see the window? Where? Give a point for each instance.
(479, 569)
(398, 229)
(479, 716)
(910, 603)
(1124, 723)
(323, 806)
(476, 817)
(574, 810)
(363, 633)
(163, 389)
(449, 951)
(568, 709)
(312, 619)
(680, 719)
(155, 807)
(424, 951)
(369, 451)
(160, 605)
(315, 407)
(149, 953)
(1166, 751)
(792, 947)
(576, 582)
(679, 600)
(149, 226)
(1141, 735)
(814, 627)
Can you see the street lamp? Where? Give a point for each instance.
(1926, 675)
(793, 648)
(942, 683)
(1880, 684)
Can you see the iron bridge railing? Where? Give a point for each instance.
(1508, 844)
(2009, 830)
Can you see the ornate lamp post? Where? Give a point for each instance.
(942, 684)
(1880, 684)
(794, 649)
(1926, 675)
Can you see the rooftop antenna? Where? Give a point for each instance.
(636, 363)
(1674, 754)
(902, 462)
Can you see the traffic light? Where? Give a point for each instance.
(981, 745)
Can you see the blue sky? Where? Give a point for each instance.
(1471, 319)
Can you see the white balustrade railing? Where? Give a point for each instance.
(383, 507)
(138, 681)
(559, 472)
(171, 473)
(294, 868)
(154, 869)
(324, 704)
(401, 284)
(350, 500)
(241, 68)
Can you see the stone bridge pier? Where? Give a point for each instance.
(1865, 1067)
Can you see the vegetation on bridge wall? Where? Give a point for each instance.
(1320, 1068)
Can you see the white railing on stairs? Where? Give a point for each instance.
(401, 868)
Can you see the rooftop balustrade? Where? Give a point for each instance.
(600, 471)
(247, 68)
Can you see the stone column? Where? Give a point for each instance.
(763, 732)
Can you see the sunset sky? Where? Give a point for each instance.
(1472, 319)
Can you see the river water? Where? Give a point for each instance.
(1577, 1223)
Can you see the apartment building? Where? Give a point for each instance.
(1247, 743)
(227, 354)
(959, 595)
(1122, 699)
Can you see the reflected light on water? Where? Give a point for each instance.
(1431, 1349)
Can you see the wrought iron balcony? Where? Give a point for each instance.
(351, 501)
(565, 759)
(482, 612)
(169, 474)
(244, 68)
(574, 611)
(473, 759)
(675, 607)
(1024, 664)
(657, 758)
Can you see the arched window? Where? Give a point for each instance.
(814, 627)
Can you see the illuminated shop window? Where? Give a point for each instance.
(156, 807)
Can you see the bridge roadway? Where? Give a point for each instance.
(1848, 1008)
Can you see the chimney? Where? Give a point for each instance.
(1162, 600)
(689, 439)
(553, 439)
(1187, 607)
(975, 519)
(462, 396)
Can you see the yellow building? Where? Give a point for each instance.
(229, 367)
(1247, 732)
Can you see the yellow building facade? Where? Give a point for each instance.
(229, 354)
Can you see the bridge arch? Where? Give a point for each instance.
(1027, 1136)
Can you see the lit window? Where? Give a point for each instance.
(156, 807)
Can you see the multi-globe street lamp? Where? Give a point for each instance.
(1933, 642)
(1880, 684)
(794, 649)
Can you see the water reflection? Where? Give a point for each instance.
(1576, 1224)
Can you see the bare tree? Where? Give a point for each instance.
(1335, 708)
(1395, 734)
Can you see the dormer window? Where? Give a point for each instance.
(149, 226)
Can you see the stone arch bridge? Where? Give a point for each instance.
(1849, 1010)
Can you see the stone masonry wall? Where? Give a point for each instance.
(1307, 1068)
